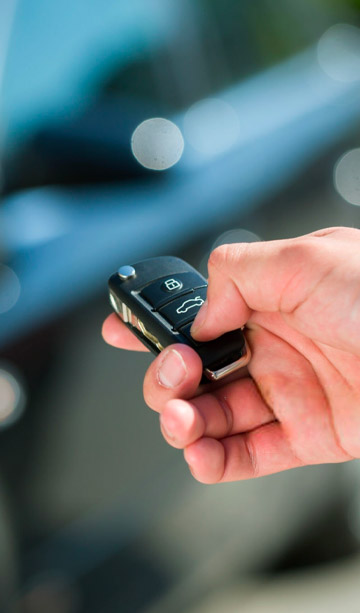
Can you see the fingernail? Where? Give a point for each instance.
(169, 428)
(172, 370)
(200, 318)
(168, 431)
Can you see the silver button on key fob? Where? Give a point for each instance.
(159, 298)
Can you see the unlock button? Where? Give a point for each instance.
(172, 285)
(165, 289)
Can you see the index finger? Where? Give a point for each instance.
(115, 333)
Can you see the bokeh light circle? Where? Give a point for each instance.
(9, 288)
(211, 126)
(157, 143)
(338, 53)
(237, 235)
(347, 176)
(12, 399)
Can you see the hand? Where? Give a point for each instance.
(298, 401)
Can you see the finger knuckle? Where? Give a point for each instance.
(295, 254)
(227, 255)
(337, 232)
(303, 264)
(218, 256)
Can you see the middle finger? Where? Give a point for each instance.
(232, 409)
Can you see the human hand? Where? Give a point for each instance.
(298, 401)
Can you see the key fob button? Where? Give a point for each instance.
(158, 300)
(126, 272)
(184, 309)
(185, 331)
(171, 285)
(167, 288)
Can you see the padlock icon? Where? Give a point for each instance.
(172, 284)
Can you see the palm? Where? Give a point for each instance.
(311, 388)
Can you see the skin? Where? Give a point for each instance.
(298, 400)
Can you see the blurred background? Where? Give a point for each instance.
(129, 130)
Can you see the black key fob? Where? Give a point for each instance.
(158, 300)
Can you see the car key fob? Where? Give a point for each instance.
(158, 300)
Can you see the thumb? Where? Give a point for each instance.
(304, 278)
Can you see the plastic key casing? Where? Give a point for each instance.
(159, 298)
